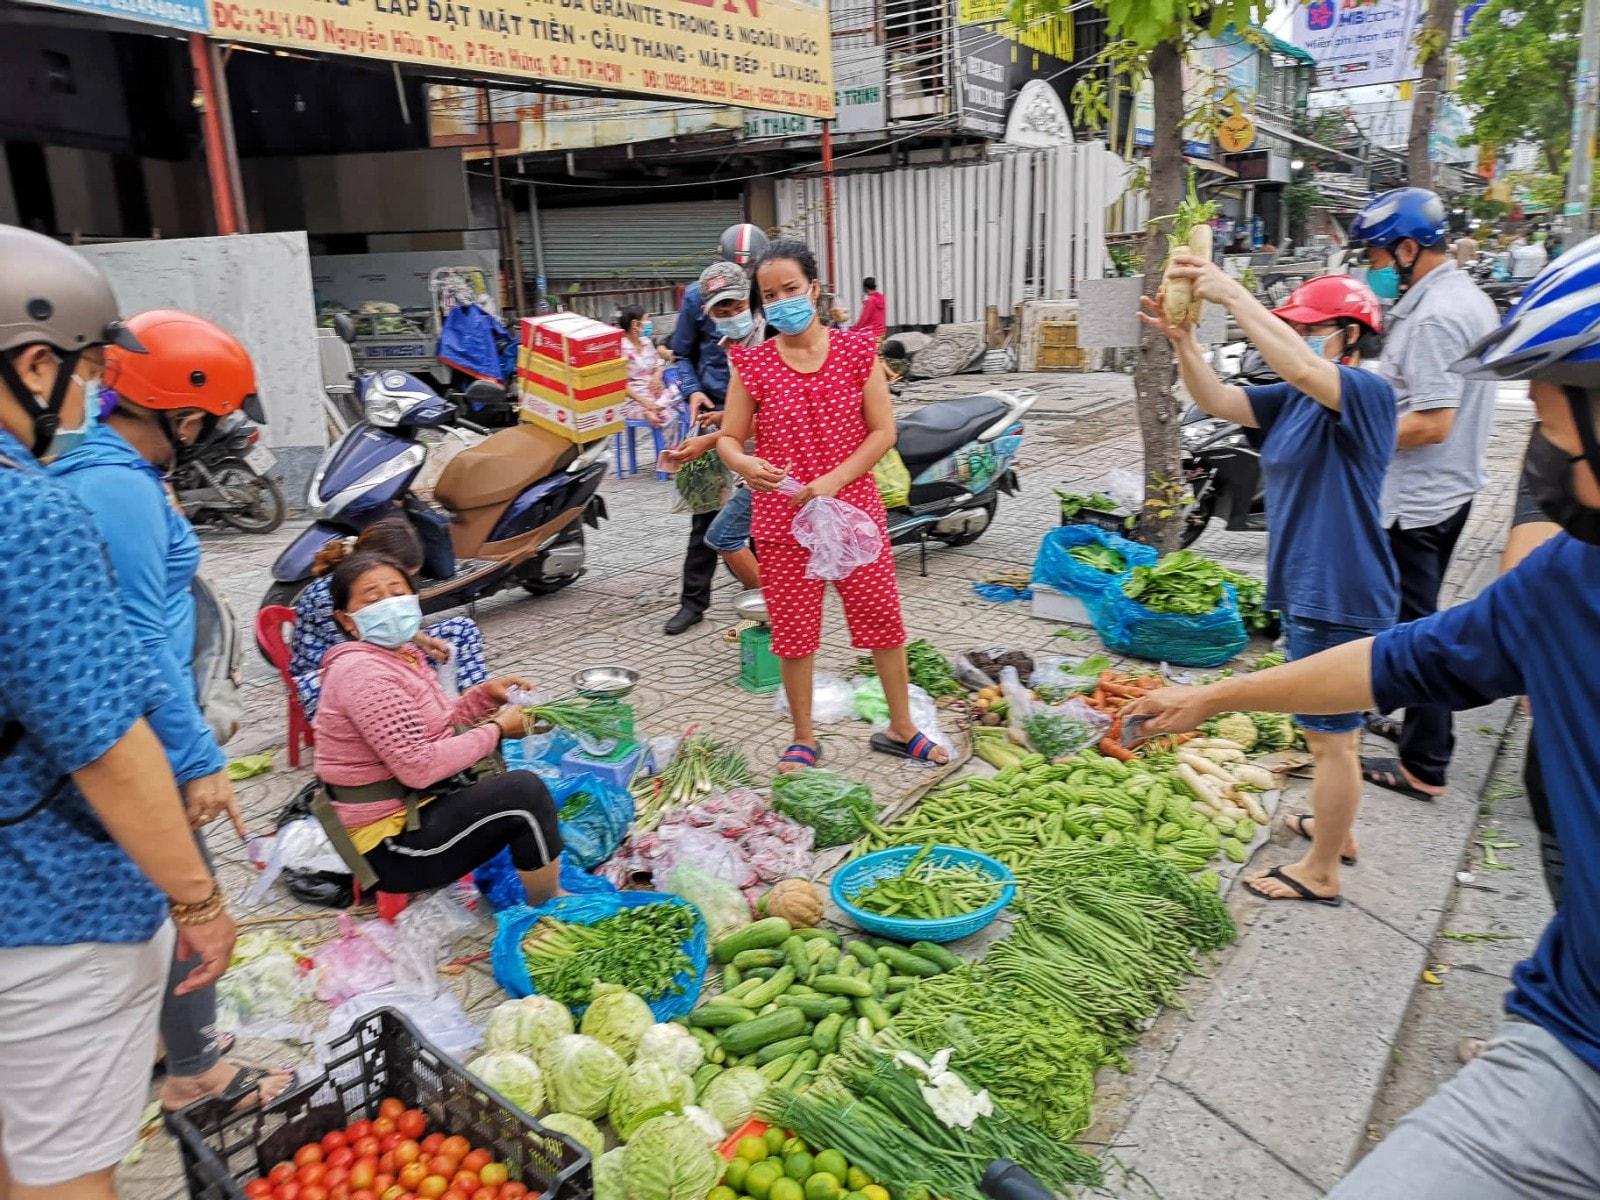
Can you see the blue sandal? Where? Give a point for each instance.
(919, 749)
(801, 755)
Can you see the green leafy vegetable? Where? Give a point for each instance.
(668, 1159)
(702, 484)
(598, 720)
(527, 1024)
(1183, 583)
(836, 807)
(1100, 558)
(1073, 503)
(580, 1074)
(515, 1076)
(1054, 734)
(639, 949)
(930, 670)
(579, 1129)
(618, 1018)
(648, 1090)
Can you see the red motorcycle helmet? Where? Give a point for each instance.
(1333, 298)
(192, 363)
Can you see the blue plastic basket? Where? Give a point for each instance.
(858, 874)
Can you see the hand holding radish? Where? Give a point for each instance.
(1155, 316)
(1205, 280)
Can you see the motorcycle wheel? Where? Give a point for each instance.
(534, 585)
(267, 511)
(970, 534)
(286, 594)
(1195, 522)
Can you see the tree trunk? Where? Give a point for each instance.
(1419, 170)
(1153, 398)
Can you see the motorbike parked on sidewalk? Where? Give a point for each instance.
(1220, 466)
(223, 477)
(507, 511)
(959, 455)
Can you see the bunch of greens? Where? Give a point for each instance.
(1100, 558)
(1072, 503)
(640, 949)
(1183, 583)
(930, 670)
(1252, 594)
(839, 809)
(587, 720)
(1056, 735)
(701, 483)
(924, 891)
(701, 764)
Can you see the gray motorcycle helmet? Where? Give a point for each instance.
(51, 295)
(741, 244)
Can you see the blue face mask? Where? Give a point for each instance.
(1384, 282)
(791, 316)
(67, 440)
(390, 622)
(647, 329)
(737, 326)
(1318, 343)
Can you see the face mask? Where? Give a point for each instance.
(647, 329)
(791, 316)
(737, 326)
(67, 440)
(1384, 282)
(390, 622)
(1548, 469)
(1318, 343)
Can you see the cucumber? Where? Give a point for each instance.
(800, 989)
(935, 954)
(731, 978)
(704, 1076)
(720, 1016)
(760, 973)
(778, 1049)
(904, 962)
(824, 964)
(746, 959)
(778, 1067)
(708, 1042)
(891, 1004)
(826, 935)
(794, 954)
(848, 965)
(825, 1037)
(768, 990)
(863, 954)
(803, 1065)
(816, 1007)
(748, 1036)
(842, 985)
(899, 983)
(766, 934)
(878, 977)
(873, 1010)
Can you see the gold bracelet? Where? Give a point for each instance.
(202, 911)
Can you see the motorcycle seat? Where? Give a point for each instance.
(944, 427)
(500, 466)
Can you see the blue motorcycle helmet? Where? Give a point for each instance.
(1553, 332)
(1404, 214)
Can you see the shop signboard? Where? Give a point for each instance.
(1359, 42)
(767, 54)
(1229, 67)
(858, 97)
(190, 15)
(994, 58)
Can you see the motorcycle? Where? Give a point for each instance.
(507, 511)
(1220, 466)
(223, 477)
(959, 455)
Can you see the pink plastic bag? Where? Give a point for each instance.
(354, 962)
(839, 535)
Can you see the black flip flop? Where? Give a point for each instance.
(1387, 773)
(225, 1042)
(919, 749)
(1383, 726)
(1299, 829)
(1300, 890)
(246, 1086)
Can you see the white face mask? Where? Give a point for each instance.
(67, 440)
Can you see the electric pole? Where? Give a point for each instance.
(1585, 109)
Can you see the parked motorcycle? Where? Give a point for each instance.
(223, 477)
(506, 512)
(959, 454)
(1220, 466)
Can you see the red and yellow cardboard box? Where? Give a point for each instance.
(571, 378)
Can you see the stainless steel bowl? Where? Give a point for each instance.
(751, 606)
(605, 683)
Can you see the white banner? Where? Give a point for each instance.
(1357, 42)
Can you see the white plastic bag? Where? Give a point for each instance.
(300, 845)
(839, 535)
(832, 699)
(446, 671)
(439, 1018)
(1126, 488)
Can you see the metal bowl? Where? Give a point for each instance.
(605, 683)
(751, 606)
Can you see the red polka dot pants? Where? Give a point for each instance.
(794, 601)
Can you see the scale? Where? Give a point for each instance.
(758, 665)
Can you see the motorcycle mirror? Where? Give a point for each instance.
(345, 328)
(253, 409)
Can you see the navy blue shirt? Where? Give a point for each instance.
(74, 677)
(1327, 555)
(1534, 632)
(702, 359)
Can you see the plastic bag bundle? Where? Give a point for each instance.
(354, 962)
(835, 806)
(721, 903)
(1054, 565)
(832, 699)
(1207, 640)
(735, 836)
(839, 535)
(703, 484)
(594, 817)
(893, 479)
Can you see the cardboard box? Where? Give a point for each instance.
(1051, 605)
(584, 421)
(530, 383)
(572, 339)
(611, 374)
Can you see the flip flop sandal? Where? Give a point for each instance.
(1382, 726)
(246, 1087)
(919, 749)
(1387, 773)
(802, 755)
(1300, 890)
(1295, 823)
(225, 1042)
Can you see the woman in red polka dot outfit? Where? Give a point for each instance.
(826, 419)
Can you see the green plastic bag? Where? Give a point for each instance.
(836, 807)
(869, 702)
(893, 479)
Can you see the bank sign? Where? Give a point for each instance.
(1359, 42)
(190, 15)
(768, 54)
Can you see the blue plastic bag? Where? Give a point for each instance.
(1128, 627)
(593, 829)
(497, 881)
(1055, 566)
(511, 968)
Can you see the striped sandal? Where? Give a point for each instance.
(920, 748)
(797, 756)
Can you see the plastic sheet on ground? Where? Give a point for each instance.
(832, 699)
(734, 836)
(439, 1018)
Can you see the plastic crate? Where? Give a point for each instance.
(382, 1055)
(1100, 519)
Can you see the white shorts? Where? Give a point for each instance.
(77, 1045)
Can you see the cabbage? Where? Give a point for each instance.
(731, 1097)
(648, 1090)
(515, 1076)
(580, 1074)
(618, 1018)
(668, 1160)
(671, 1046)
(579, 1130)
(709, 1125)
(608, 1170)
(527, 1024)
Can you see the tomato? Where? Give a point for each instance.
(407, 1152)
(388, 1142)
(358, 1131)
(342, 1157)
(340, 1191)
(313, 1173)
(393, 1192)
(466, 1182)
(312, 1191)
(383, 1127)
(364, 1194)
(333, 1140)
(513, 1190)
(286, 1191)
(362, 1174)
(494, 1174)
(453, 1194)
(488, 1193)
(256, 1189)
(332, 1177)
(433, 1187)
(387, 1164)
(281, 1173)
(411, 1123)
(412, 1174)
(383, 1181)
(391, 1108)
(310, 1153)
(456, 1147)
(366, 1147)
(443, 1164)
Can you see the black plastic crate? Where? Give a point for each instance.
(382, 1055)
(1100, 519)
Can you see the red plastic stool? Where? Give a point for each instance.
(392, 904)
(271, 623)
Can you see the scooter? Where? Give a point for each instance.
(959, 454)
(1220, 466)
(223, 477)
(507, 511)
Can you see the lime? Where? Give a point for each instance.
(855, 1196)
(823, 1186)
(734, 1176)
(787, 1189)
(723, 1193)
(798, 1166)
(874, 1191)
(856, 1179)
(794, 1145)
(776, 1137)
(752, 1149)
(832, 1162)
(758, 1182)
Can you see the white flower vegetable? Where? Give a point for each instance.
(608, 1169)
(648, 1090)
(947, 1094)
(618, 1018)
(527, 1025)
(709, 1125)
(731, 1097)
(671, 1046)
(579, 1130)
(515, 1076)
(580, 1074)
(668, 1159)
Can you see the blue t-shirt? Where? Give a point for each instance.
(73, 677)
(1535, 632)
(1327, 555)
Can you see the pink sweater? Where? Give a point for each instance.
(383, 715)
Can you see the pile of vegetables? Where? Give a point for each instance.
(700, 764)
(838, 808)
(1072, 503)
(780, 1167)
(638, 950)
(700, 483)
(1056, 735)
(1100, 558)
(924, 891)
(1184, 583)
(1256, 732)
(1112, 693)
(930, 670)
(1252, 594)
(590, 721)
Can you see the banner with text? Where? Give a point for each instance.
(995, 58)
(189, 15)
(768, 54)
(1357, 42)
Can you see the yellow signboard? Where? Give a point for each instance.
(1236, 134)
(768, 54)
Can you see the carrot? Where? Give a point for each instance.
(1108, 676)
(1115, 749)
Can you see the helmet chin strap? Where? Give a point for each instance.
(46, 417)
(1404, 270)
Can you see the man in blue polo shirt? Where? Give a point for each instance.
(1522, 1119)
(97, 861)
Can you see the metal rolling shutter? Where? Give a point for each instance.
(629, 241)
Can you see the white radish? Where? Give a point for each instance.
(1253, 807)
(1200, 247)
(1218, 755)
(1255, 776)
(1204, 766)
(1215, 744)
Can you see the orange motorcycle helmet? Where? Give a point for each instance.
(192, 363)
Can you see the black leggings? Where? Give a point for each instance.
(462, 830)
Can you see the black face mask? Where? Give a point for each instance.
(1549, 473)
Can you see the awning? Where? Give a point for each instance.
(1205, 164)
(1287, 49)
